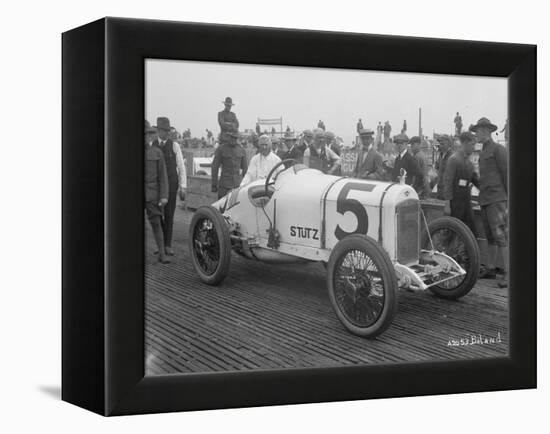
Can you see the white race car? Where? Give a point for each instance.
(368, 234)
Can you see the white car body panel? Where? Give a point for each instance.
(306, 199)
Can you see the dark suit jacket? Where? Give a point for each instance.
(371, 166)
(409, 163)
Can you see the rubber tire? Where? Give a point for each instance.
(224, 241)
(384, 264)
(472, 248)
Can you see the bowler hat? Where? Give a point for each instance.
(366, 132)
(466, 136)
(149, 128)
(228, 100)
(307, 133)
(415, 139)
(163, 124)
(401, 138)
(483, 122)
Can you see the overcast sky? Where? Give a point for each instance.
(191, 94)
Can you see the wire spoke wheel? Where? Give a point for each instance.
(207, 248)
(450, 242)
(210, 245)
(359, 290)
(362, 285)
(453, 238)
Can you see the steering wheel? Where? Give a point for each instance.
(289, 161)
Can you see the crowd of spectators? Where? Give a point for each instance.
(450, 178)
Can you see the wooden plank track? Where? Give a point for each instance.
(279, 316)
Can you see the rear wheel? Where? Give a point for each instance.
(210, 245)
(452, 237)
(362, 285)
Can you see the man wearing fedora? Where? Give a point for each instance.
(293, 150)
(405, 161)
(370, 163)
(231, 157)
(177, 177)
(227, 119)
(156, 189)
(493, 197)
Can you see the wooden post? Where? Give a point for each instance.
(420, 123)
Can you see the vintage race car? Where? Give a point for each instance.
(371, 236)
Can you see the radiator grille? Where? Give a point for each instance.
(408, 231)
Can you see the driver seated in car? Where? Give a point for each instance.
(261, 164)
(319, 156)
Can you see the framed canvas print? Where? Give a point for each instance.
(258, 216)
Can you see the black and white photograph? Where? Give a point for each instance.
(335, 222)
(301, 217)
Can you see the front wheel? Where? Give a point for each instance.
(362, 285)
(210, 245)
(452, 237)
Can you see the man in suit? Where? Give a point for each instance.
(156, 190)
(422, 185)
(404, 160)
(445, 151)
(293, 150)
(177, 177)
(369, 161)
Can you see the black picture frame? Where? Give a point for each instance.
(103, 220)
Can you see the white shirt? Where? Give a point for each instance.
(260, 166)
